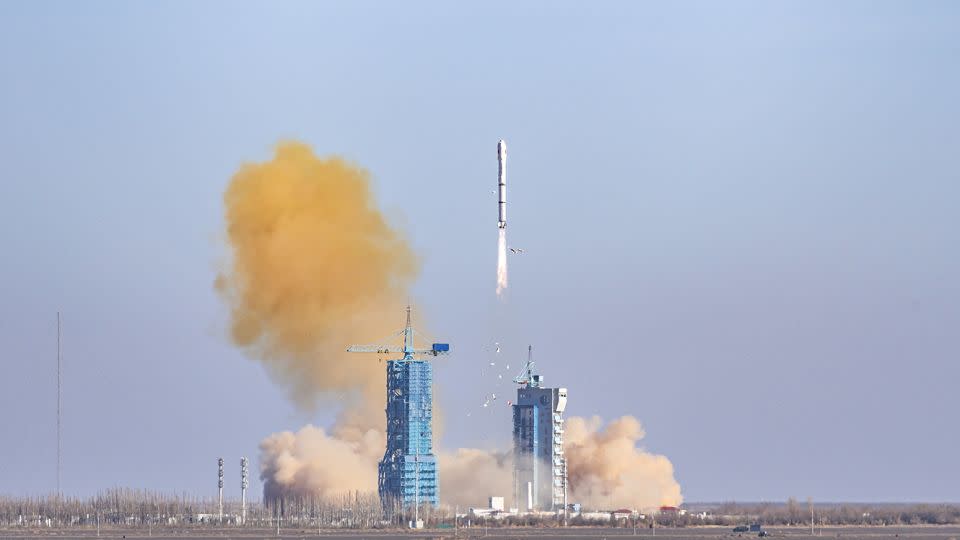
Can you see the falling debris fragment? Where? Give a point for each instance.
(498, 347)
(518, 251)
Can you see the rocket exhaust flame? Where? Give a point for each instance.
(502, 262)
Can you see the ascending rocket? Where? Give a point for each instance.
(502, 184)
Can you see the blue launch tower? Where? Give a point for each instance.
(407, 474)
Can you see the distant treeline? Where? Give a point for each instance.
(800, 513)
(130, 508)
(127, 507)
(136, 508)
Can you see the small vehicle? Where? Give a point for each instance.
(763, 533)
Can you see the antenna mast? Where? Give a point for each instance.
(527, 378)
(529, 363)
(220, 486)
(243, 491)
(59, 445)
(408, 349)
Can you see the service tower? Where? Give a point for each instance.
(539, 463)
(407, 474)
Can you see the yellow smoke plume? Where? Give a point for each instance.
(315, 268)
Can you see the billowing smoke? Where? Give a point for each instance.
(313, 462)
(315, 268)
(469, 475)
(606, 467)
(502, 262)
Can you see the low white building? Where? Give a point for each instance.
(605, 516)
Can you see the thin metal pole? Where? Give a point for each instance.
(220, 487)
(243, 490)
(565, 508)
(59, 385)
(416, 488)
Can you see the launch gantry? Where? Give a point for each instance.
(407, 474)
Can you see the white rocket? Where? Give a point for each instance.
(502, 184)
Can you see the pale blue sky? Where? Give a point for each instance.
(740, 221)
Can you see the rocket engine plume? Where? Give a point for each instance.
(501, 262)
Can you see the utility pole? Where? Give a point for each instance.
(220, 486)
(59, 442)
(810, 504)
(243, 491)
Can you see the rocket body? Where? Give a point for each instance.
(502, 184)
